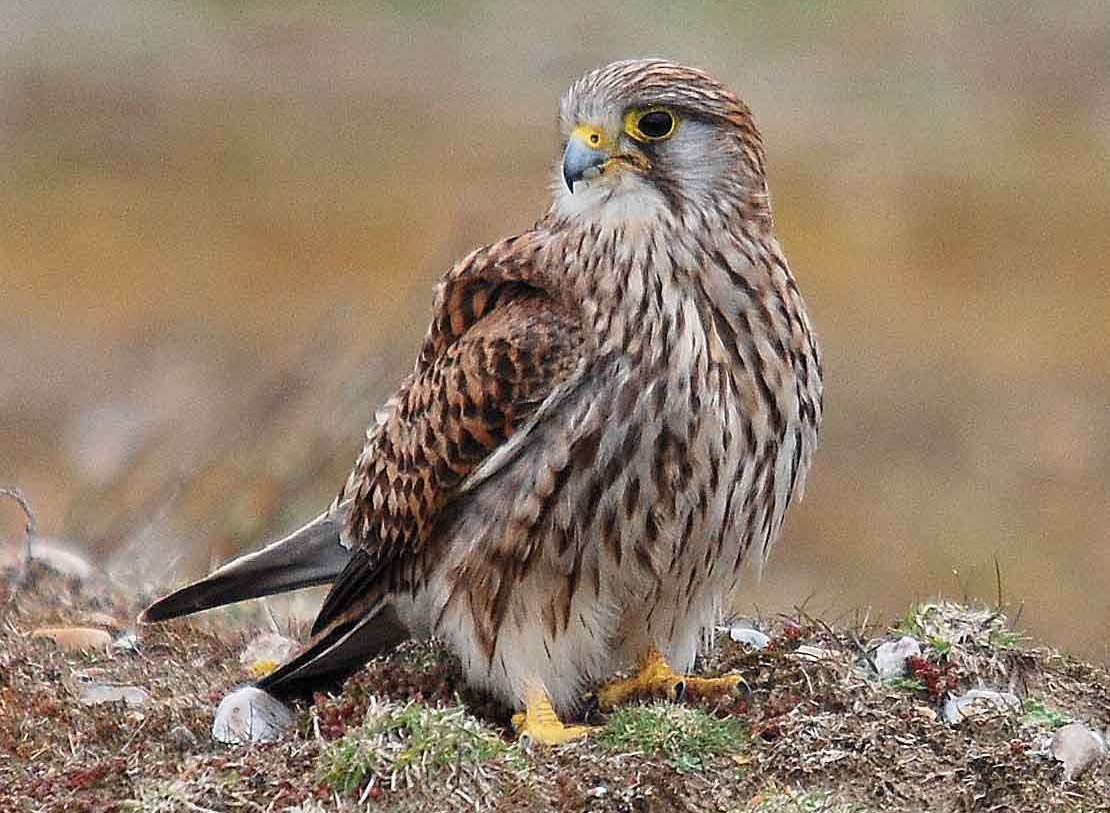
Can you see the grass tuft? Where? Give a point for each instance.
(686, 737)
(398, 745)
(945, 625)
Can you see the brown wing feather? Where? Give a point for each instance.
(499, 344)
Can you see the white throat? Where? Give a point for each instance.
(610, 201)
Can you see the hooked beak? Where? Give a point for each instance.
(585, 153)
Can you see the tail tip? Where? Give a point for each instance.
(155, 612)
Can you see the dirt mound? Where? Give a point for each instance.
(128, 727)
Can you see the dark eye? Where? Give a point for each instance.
(656, 124)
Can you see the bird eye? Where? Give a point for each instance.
(652, 125)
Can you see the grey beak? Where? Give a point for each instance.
(578, 158)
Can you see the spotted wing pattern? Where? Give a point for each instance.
(499, 344)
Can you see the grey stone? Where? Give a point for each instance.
(890, 657)
(92, 693)
(1078, 747)
(976, 702)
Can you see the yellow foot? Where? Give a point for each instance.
(657, 679)
(538, 724)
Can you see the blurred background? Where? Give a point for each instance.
(220, 224)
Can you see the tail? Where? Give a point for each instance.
(338, 651)
(308, 556)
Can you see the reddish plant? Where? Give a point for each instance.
(937, 679)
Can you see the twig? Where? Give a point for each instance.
(31, 529)
(134, 734)
(865, 623)
(195, 807)
(965, 600)
(274, 628)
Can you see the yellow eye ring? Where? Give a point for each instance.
(652, 124)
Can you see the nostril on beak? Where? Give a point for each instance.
(579, 158)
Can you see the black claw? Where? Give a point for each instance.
(742, 689)
(590, 708)
(679, 691)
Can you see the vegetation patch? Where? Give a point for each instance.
(687, 738)
(944, 625)
(399, 746)
(816, 733)
(1036, 713)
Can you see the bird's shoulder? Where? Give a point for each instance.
(487, 279)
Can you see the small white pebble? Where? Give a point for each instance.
(308, 806)
(91, 693)
(890, 657)
(128, 642)
(62, 557)
(248, 714)
(749, 637)
(978, 702)
(1078, 747)
(806, 652)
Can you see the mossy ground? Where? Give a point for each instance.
(817, 734)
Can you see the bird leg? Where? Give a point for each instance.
(656, 678)
(539, 723)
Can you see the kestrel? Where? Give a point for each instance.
(610, 412)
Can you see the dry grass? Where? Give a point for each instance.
(819, 732)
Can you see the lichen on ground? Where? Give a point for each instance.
(818, 732)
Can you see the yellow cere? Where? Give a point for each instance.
(593, 136)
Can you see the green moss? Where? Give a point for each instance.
(402, 743)
(907, 684)
(1035, 712)
(686, 737)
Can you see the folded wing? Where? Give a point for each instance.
(500, 347)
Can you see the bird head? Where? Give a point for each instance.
(647, 135)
